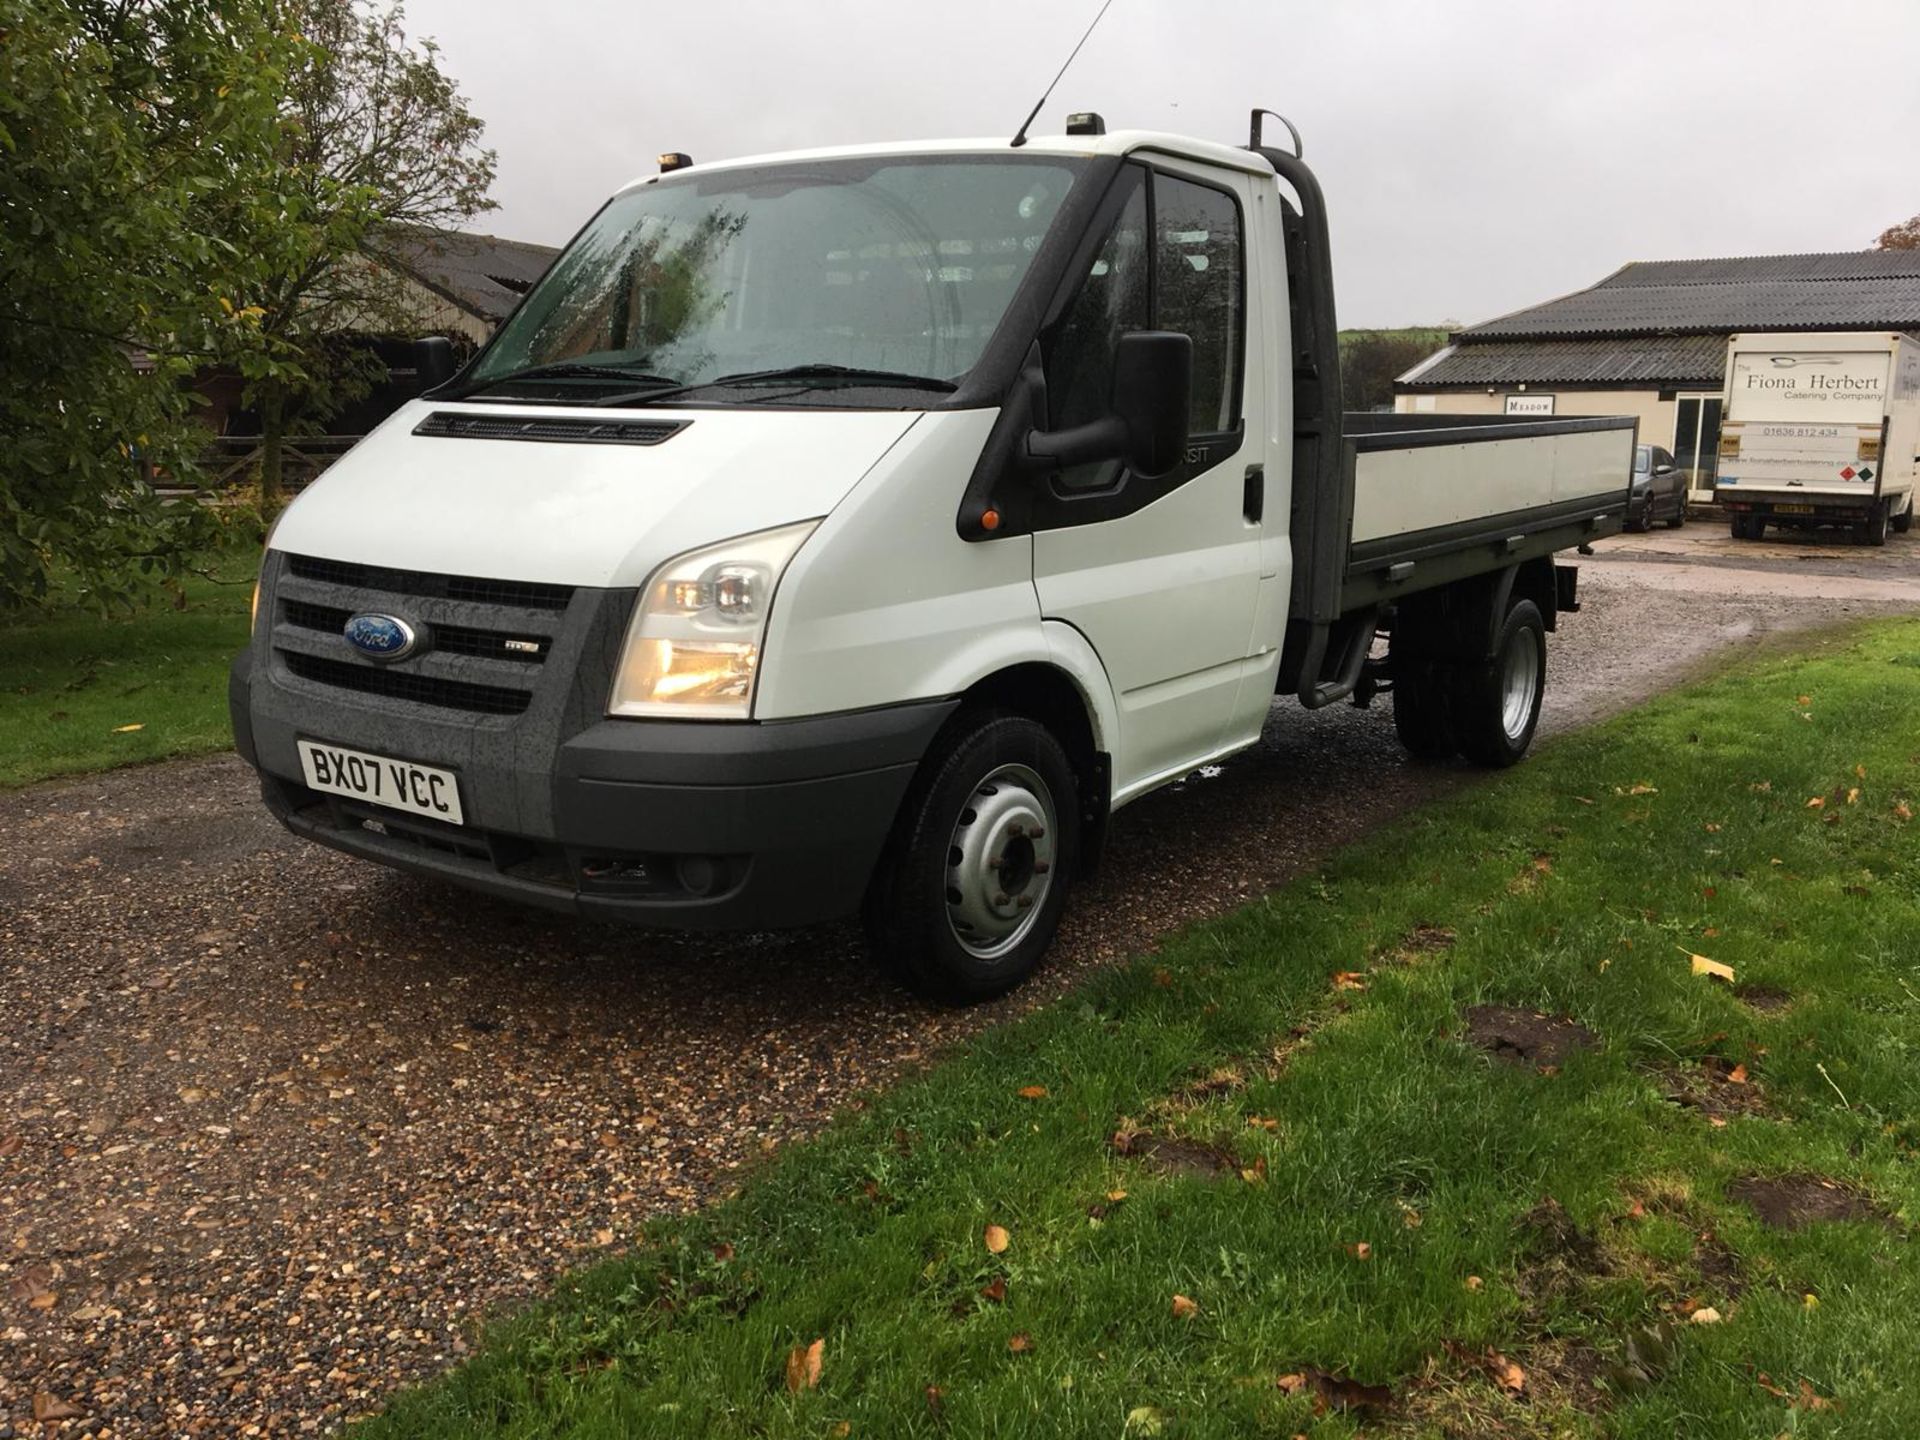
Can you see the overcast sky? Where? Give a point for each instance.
(1477, 155)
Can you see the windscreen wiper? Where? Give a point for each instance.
(572, 370)
(803, 375)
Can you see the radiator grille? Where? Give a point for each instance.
(522, 649)
(525, 594)
(408, 685)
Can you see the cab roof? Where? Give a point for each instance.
(1117, 142)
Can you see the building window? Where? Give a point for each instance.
(1696, 438)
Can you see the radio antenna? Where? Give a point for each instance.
(1020, 136)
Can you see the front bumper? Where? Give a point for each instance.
(682, 824)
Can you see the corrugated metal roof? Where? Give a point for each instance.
(1853, 290)
(483, 274)
(1656, 360)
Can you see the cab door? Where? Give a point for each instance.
(1161, 575)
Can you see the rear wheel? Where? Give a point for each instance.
(1873, 529)
(1679, 516)
(1903, 522)
(1748, 527)
(1421, 711)
(971, 888)
(1496, 706)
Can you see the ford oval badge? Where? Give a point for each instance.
(382, 637)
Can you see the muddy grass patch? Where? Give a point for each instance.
(1767, 999)
(1526, 1037)
(1793, 1202)
(1175, 1155)
(1534, 1393)
(1719, 1089)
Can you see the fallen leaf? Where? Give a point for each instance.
(842, 1430)
(1144, 1420)
(1902, 812)
(1859, 772)
(1809, 1400)
(1507, 1375)
(1642, 788)
(1292, 1384)
(1360, 1250)
(126, 730)
(997, 1239)
(603, 1237)
(803, 1366)
(1637, 1211)
(1184, 1308)
(45, 1300)
(1761, 787)
(1817, 802)
(50, 1407)
(1410, 1217)
(1737, 1075)
(1033, 1092)
(1349, 980)
(1712, 829)
(1712, 968)
(723, 1253)
(1114, 1197)
(1474, 1282)
(1705, 1315)
(1803, 700)
(1162, 976)
(1853, 796)
(1810, 1301)
(1020, 1343)
(996, 1291)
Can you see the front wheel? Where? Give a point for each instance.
(970, 891)
(1496, 706)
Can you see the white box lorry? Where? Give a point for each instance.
(857, 530)
(1820, 430)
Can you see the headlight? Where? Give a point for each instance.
(693, 646)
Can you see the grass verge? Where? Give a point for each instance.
(74, 682)
(1451, 1140)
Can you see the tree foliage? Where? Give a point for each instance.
(188, 185)
(138, 152)
(1904, 236)
(1371, 360)
(378, 147)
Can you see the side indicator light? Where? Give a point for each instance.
(990, 519)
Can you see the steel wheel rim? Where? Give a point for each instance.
(1000, 861)
(1519, 684)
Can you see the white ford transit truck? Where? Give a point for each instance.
(1820, 430)
(859, 530)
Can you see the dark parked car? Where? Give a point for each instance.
(1659, 490)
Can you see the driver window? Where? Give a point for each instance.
(1180, 272)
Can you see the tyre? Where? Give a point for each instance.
(1874, 529)
(1421, 712)
(1749, 527)
(1679, 516)
(1903, 522)
(970, 889)
(1496, 706)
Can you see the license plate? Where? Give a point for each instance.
(397, 784)
(1793, 509)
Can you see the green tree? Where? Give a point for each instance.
(378, 145)
(1371, 360)
(139, 147)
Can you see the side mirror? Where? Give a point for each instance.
(1146, 420)
(1663, 469)
(433, 361)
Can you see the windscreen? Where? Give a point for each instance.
(903, 264)
(1818, 387)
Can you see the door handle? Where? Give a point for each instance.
(1253, 499)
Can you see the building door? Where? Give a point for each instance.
(1696, 442)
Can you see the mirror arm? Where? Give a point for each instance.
(1102, 439)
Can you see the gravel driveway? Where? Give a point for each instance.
(276, 1126)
